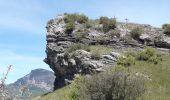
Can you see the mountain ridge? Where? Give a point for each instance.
(38, 81)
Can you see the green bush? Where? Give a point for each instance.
(70, 20)
(146, 54)
(80, 34)
(114, 33)
(136, 32)
(126, 61)
(109, 86)
(75, 86)
(80, 18)
(87, 25)
(69, 27)
(150, 55)
(166, 28)
(78, 46)
(154, 59)
(103, 20)
(108, 24)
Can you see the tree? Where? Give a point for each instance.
(107, 23)
(166, 28)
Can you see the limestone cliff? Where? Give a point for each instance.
(58, 41)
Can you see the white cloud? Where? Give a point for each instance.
(21, 15)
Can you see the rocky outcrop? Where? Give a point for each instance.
(82, 63)
(65, 67)
(162, 41)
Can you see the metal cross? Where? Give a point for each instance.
(127, 20)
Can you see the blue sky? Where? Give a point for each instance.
(22, 25)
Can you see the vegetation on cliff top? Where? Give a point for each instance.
(166, 28)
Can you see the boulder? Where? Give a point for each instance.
(109, 57)
(163, 42)
(115, 55)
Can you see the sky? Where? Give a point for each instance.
(23, 33)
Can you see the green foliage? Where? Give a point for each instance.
(126, 61)
(81, 34)
(96, 55)
(69, 27)
(150, 55)
(110, 86)
(80, 18)
(78, 46)
(103, 20)
(88, 25)
(136, 32)
(70, 20)
(75, 86)
(166, 28)
(108, 24)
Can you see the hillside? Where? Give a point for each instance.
(158, 87)
(38, 81)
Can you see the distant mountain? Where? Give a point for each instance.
(38, 81)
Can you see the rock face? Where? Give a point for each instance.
(65, 67)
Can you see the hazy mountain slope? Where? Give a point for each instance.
(38, 81)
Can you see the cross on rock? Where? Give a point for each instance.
(126, 20)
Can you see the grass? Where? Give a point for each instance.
(100, 49)
(158, 85)
(158, 88)
(60, 94)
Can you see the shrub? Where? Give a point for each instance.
(103, 20)
(112, 24)
(146, 54)
(126, 61)
(88, 25)
(154, 59)
(150, 55)
(75, 85)
(81, 34)
(70, 20)
(69, 27)
(136, 32)
(78, 46)
(114, 33)
(166, 28)
(108, 24)
(80, 18)
(109, 86)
